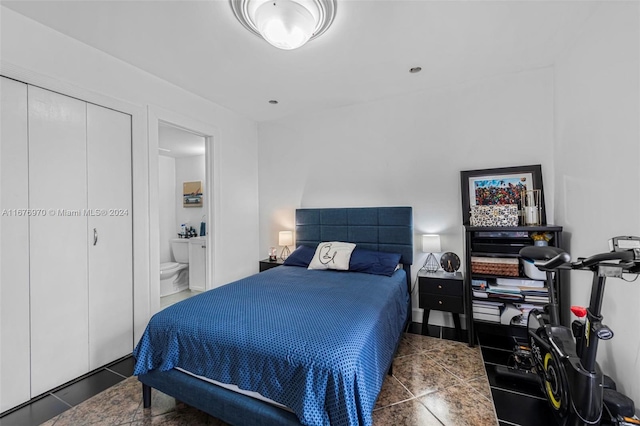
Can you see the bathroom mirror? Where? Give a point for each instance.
(192, 194)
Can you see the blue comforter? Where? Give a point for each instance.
(319, 342)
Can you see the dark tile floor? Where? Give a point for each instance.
(516, 403)
(59, 400)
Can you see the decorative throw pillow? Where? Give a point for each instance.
(332, 255)
(300, 257)
(374, 262)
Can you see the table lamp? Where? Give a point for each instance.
(430, 244)
(285, 238)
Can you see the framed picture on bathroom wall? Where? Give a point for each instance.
(192, 194)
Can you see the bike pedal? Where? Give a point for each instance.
(628, 421)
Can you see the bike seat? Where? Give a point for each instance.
(540, 252)
(545, 258)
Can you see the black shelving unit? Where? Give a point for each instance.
(502, 242)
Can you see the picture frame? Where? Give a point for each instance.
(192, 194)
(500, 186)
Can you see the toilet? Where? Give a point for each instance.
(174, 276)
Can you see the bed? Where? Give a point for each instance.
(305, 346)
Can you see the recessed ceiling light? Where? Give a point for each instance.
(273, 102)
(415, 70)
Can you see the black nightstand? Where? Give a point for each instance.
(440, 291)
(268, 264)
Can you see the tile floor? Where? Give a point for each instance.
(436, 381)
(177, 297)
(517, 402)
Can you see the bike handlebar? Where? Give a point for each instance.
(547, 258)
(622, 256)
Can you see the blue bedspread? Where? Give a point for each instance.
(319, 342)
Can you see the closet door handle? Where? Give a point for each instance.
(95, 236)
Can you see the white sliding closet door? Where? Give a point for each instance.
(110, 235)
(14, 245)
(58, 241)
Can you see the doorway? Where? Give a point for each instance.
(182, 213)
(182, 207)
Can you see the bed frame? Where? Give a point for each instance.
(388, 229)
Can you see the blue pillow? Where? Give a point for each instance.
(373, 262)
(300, 257)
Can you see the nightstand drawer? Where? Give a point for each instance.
(441, 303)
(441, 286)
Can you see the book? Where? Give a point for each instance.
(488, 303)
(512, 282)
(486, 317)
(480, 293)
(536, 299)
(479, 309)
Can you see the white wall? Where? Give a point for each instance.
(598, 172)
(189, 169)
(407, 150)
(41, 54)
(167, 201)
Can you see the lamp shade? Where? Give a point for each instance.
(431, 243)
(285, 238)
(285, 24)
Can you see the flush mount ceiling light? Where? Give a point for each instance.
(286, 24)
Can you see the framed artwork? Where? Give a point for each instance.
(192, 194)
(500, 186)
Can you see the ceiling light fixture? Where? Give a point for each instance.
(285, 24)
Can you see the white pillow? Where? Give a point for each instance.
(332, 255)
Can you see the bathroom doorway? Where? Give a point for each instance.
(183, 215)
(183, 157)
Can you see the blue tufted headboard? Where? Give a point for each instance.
(388, 229)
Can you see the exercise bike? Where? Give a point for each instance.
(565, 368)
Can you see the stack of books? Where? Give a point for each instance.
(533, 291)
(487, 310)
(516, 290)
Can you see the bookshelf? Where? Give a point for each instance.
(501, 287)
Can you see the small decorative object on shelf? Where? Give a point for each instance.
(530, 200)
(541, 238)
(499, 215)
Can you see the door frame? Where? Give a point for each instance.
(155, 116)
